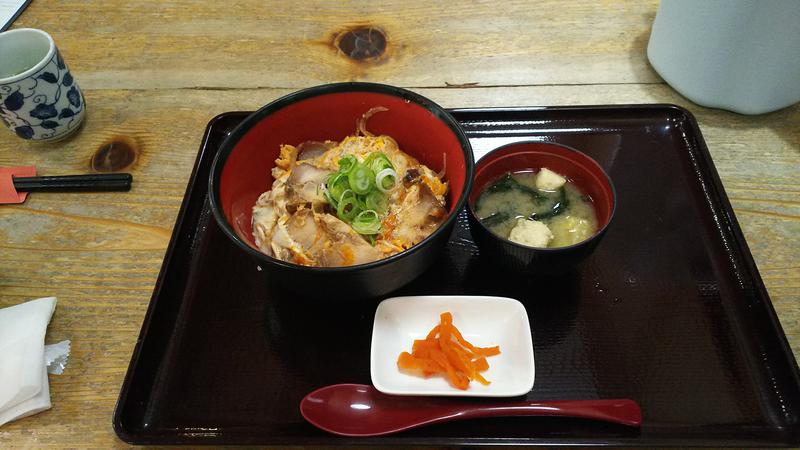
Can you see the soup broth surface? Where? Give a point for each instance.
(568, 213)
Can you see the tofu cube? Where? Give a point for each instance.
(548, 180)
(531, 233)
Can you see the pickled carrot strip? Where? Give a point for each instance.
(438, 357)
(481, 364)
(412, 362)
(426, 343)
(464, 361)
(463, 341)
(460, 380)
(485, 351)
(406, 361)
(488, 351)
(479, 378)
(444, 351)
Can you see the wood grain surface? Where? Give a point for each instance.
(155, 72)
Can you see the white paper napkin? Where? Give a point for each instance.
(24, 388)
(9, 10)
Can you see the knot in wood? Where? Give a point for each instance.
(114, 155)
(361, 43)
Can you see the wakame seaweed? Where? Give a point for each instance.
(558, 207)
(507, 183)
(495, 219)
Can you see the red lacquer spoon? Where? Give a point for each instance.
(361, 410)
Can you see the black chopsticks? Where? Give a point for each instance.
(102, 182)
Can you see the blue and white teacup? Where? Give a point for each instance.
(39, 98)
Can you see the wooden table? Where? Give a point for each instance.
(154, 72)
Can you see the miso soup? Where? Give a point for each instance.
(537, 208)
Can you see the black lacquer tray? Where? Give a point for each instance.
(669, 310)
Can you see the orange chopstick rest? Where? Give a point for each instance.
(8, 193)
(445, 351)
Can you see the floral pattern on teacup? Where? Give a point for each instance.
(45, 105)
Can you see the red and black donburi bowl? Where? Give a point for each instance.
(582, 170)
(241, 171)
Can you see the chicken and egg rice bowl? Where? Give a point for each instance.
(345, 203)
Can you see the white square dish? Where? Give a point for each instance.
(483, 321)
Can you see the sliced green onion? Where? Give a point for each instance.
(378, 161)
(376, 201)
(337, 183)
(332, 201)
(367, 222)
(348, 206)
(361, 200)
(361, 179)
(352, 192)
(386, 180)
(347, 163)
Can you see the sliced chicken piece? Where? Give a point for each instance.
(418, 216)
(304, 184)
(276, 197)
(264, 219)
(303, 228)
(313, 149)
(347, 248)
(282, 245)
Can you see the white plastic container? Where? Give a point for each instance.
(739, 55)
